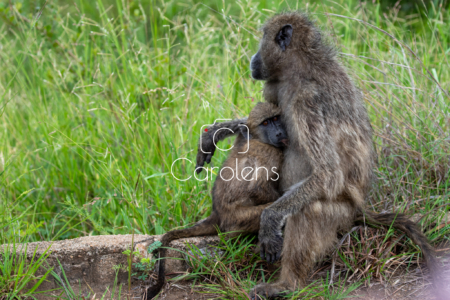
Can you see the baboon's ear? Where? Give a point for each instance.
(284, 36)
(244, 131)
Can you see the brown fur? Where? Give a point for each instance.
(237, 203)
(328, 167)
(327, 171)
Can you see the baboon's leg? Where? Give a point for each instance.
(243, 220)
(308, 236)
(202, 228)
(244, 216)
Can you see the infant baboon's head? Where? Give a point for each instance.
(264, 124)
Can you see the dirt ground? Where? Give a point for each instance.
(413, 284)
(409, 286)
(183, 290)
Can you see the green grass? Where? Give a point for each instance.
(232, 269)
(18, 276)
(99, 98)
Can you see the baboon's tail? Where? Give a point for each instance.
(403, 223)
(202, 228)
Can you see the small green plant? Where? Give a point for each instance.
(145, 264)
(155, 245)
(128, 252)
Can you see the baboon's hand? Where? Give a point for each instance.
(211, 136)
(271, 248)
(270, 236)
(206, 148)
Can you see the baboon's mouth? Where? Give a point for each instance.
(285, 142)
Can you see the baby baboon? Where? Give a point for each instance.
(247, 183)
(327, 168)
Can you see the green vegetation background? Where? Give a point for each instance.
(99, 98)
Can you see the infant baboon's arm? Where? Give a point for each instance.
(217, 132)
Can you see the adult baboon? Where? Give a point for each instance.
(247, 183)
(327, 168)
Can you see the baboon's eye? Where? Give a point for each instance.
(275, 118)
(265, 123)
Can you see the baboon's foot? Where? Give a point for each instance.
(269, 291)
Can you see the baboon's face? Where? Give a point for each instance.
(271, 131)
(259, 72)
(264, 124)
(263, 65)
(288, 39)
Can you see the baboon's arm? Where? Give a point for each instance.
(209, 139)
(274, 216)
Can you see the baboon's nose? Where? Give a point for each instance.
(252, 67)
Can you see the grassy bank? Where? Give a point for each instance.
(99, 98)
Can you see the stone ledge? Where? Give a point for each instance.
(89, 261)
